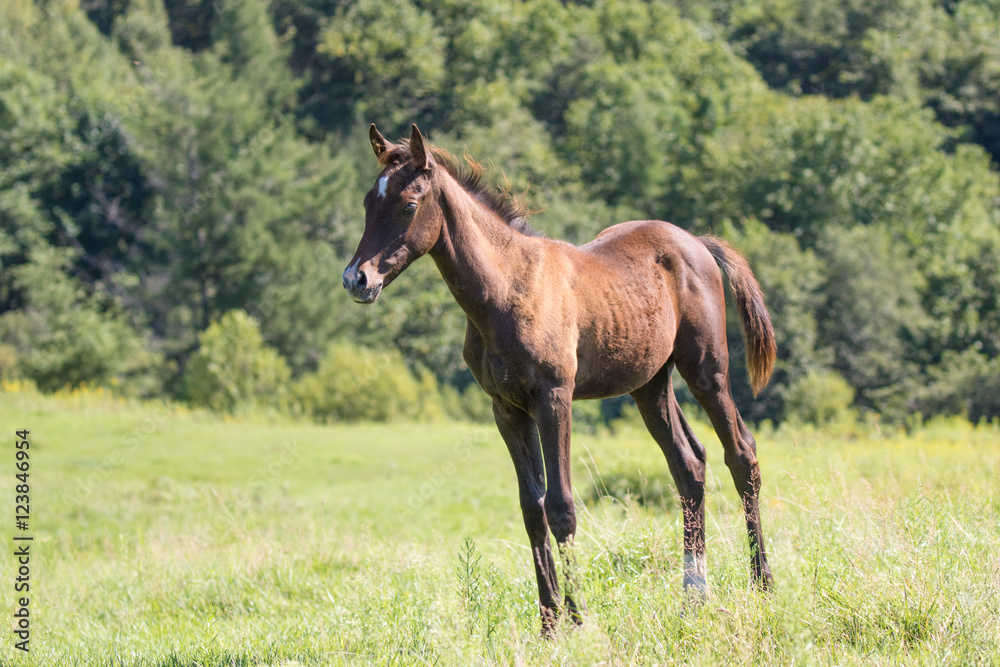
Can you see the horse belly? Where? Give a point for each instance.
(618, 354)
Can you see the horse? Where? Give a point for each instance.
(550, 323)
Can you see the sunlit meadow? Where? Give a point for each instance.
(164, 536)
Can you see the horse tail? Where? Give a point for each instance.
(755, 322)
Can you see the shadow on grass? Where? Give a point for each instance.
(631, 486)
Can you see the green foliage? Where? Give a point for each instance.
(391, 57)
(467, 404)
(587, 416)
(234, 369)
(65, 335)
(792, 280)
(821, 398)
(469, 575)
(871, 317)
(629, 486)
(942, 54)
(616, 130)
(419, 317)
(8, 362)
(185, 159)
(831, 49)
(800, 165)
(966, 383)
(359, 383)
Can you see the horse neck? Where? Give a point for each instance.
(478, 254)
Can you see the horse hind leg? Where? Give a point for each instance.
(707, 375)
(685, 456)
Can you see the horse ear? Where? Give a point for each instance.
(379, 144)
(421, 156)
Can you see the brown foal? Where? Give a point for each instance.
(549, 323)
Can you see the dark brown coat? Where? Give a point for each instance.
(549, 322)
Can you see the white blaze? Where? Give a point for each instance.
(382, 184)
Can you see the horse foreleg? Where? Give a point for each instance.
(519, 432)
(554, 416)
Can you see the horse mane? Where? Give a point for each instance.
(502, 201)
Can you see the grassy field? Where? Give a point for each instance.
(169, 537)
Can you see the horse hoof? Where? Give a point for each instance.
(695, 584)
(575, 611)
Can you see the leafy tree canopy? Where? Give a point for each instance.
(165, 163)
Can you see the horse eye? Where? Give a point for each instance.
(410, 208)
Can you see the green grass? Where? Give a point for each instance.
(168, 537)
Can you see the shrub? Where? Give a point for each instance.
(587, 416)
(629, 484)
(820, 397)
(234, 369)
(358, 383)
(470, 403)
(8, 362)
(965, 383)
(68, 334)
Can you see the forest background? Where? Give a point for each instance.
(181, 186)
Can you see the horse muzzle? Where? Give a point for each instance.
(359, 286)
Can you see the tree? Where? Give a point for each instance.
(64, 335)
(791, 279)
(234, 369)
(871, 318)
(390, 63)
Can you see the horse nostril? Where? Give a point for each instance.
(362, 280)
